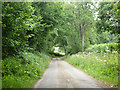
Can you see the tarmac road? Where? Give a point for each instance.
(60, 74)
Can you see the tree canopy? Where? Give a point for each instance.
(39, 26)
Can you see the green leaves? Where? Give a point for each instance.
(106, 17)
(14, 29)
(20, 72)
(42, 25)
(102, 48)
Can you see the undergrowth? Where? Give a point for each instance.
(23, 71)
(101, 48)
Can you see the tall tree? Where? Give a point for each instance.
(77, 21)
(84, 18)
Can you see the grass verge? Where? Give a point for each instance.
(103, 67)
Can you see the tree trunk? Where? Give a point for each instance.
(65, 50)
(82, 36)
(81, 32)
(82, 41)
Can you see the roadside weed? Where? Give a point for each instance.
(103, 67)
(23, 72)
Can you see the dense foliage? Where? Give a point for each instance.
(101, 48)
(26, 27)
(21, 73)
(41, 25)
(108, 18)
(14, 27)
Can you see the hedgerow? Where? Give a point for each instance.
(109, 47)
(22, 72)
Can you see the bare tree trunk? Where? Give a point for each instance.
(81, 33)
(65, 50)
(82, 41)
(82, 36)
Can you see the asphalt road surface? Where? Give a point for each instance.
(60, 74)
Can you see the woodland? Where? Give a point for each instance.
(30, 30)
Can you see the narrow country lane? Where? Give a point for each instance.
(60, 74)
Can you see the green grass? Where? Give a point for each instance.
(103, 67)
(23, 71)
